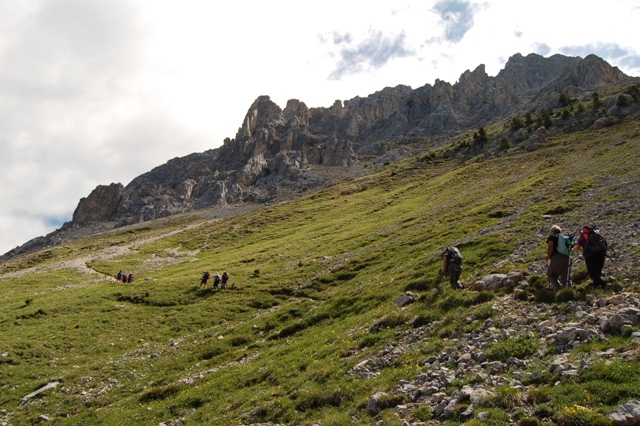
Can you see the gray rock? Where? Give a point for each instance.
(626, 414)
(406, 299)
(374, 406)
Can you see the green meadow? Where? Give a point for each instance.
(311, 294)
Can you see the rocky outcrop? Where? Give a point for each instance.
(100, 205)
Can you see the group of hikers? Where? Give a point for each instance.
(218, 280)
(124, 278)
(560, 249)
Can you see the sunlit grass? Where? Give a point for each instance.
(311, 295)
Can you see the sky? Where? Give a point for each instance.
(100, 91)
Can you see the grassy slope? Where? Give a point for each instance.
(310, 278)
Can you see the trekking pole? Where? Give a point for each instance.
(568, 283)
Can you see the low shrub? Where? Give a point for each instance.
(422, 413)
(565, 295)
(505, 397)
(538, 395)
(529, 421)
(521, 295)
(537, 281)
(517, 347)
(545, 295)
(577, 415)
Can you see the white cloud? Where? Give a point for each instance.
(457, 16)
(94, 92)
(371, 54)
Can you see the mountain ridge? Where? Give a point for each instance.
(273, 151)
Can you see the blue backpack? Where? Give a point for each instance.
(565, 242)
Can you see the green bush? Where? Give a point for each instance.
(565, 295)
(505, 397)
(622, 101)
(504, 144)
(538, 395)
(517, 123)
(422, 413)
(545, 295)
(577, 415)
(518, 347)
(537, 281)
(529, 421)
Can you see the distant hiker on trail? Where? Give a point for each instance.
(594, 249)
(129, 278)
(225, 278)
(216, 280)
(204, 279)
(558, 257)
(120, 276)
(452, 265)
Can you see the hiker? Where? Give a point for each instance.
(216, 280)
(558, 266)
(594, 249)
(452, 265)
(119, 275)
(130, 278)
(204, 279)
(225, 278)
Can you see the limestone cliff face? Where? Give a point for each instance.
(274, 148)
(100, 205)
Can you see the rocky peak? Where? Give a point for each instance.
(261, 112)
(100, 205)
(592, 71)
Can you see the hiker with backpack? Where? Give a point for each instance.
(204, 279)
(225, 278)
(452, 265)
(594, 250)
(558, 255)
(216, 280)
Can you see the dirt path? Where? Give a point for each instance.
(80, 264)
